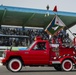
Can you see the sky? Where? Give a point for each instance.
(62, 5)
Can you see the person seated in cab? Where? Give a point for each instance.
(40, 46)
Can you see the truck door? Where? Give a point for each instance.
(39, 53)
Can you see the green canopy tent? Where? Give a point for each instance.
(33, 17)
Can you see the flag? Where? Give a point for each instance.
(54, 26)
(55, 9)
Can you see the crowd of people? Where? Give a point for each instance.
(62, 38)
(8, 41)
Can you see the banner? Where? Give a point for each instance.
(55, 25)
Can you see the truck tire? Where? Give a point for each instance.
(7, 66)
(58, 67)
(14, 65)
(67, 65)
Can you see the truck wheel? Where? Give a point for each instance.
(7, 66)
(14, 65)
(58, 67)
(67, 65)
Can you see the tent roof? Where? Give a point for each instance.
(33, 17)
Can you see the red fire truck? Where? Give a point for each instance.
(41, 53)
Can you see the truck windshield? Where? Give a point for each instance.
(31, 45)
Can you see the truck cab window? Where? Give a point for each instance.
(40, 46)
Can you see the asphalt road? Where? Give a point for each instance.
(36, 71)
